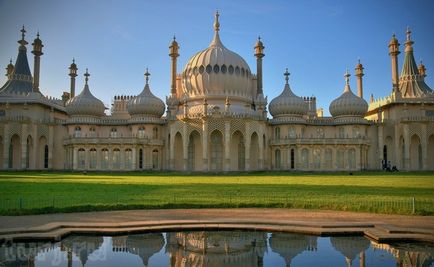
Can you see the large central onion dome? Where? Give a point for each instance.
(348, 104)
(146, 103)
(287, 103)
(217, 71)
(85, 104)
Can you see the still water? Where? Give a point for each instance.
(216, 248)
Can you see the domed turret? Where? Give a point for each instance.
(146, 103)
(217, 72)
(348, 104)
(85, 104)
(287, 103)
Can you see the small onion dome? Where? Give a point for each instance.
(287, 103)
(146, 103)
(393, 40)
(348, 104)
(85, 104)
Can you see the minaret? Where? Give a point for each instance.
(72, 73)
(37, 51)
(394, 52)
(259, 54)
(10, 70)
(174, 54)
(421, 68)
(359, 74)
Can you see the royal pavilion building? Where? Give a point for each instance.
(216, 118)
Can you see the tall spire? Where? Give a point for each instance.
(37, 51)
(174, 54)
(359, 74)
(259, 54)
(347, 81)
(72, 73)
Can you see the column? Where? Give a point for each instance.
(406, 147)
(50, 146)
(205, 145)
(133, 157)
(172, 151)
(227, 147)
(23, 146)
(6, 144)
(247, 147)
(358, 157)
(380, 145)
(261, 152)
(185, 147)
(34, 156)
(98, 158)
(74, 158)
(122, 158)
(424, 144)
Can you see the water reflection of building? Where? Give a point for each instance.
(289, 245)
(223, 248)
(144, 245)
(350, 247)
(81, 246)
(408, 255)
(22, 254)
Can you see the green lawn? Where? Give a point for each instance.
(37, 192)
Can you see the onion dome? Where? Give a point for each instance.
(287, 103)
(85, 104)
(350, 246)
(146, 103)
(348, 104)
(217, 71)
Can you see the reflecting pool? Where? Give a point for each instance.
(216, 248)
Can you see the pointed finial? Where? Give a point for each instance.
(358, 60)
(259, 38)
(147, 74)
(10, 61)
(86, 75)
(408, 33)
(73, 60)
(216, 21)
(286, 74)
(347, 77)
(23, 33)
(37, 35)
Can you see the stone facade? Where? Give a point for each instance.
(216, 119)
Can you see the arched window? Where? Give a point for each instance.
(191, 153)
(77, 131)
(92, 132)
(277, 158)
(277, 133)
(292, 158)
(352, 158)
(128, 159)
(341, 132)
(291, 132)
(356, 132)
(385, 154)
(305, 158)
(241, 156)
(116, 160)
(155, 133)
(328, 158)
(317, 158)
(81, 158)
(216, 151)
(92, 158)
(141, 132)
(340, 159)
(113, 133)
(104, 158)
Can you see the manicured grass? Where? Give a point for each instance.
(40, 192)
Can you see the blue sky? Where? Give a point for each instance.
(315, 39)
